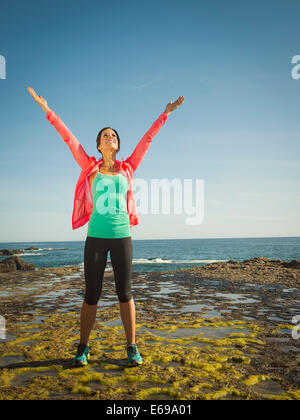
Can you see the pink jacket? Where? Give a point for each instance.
(83, 201)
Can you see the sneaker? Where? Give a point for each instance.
(134, 357)
(82, 355)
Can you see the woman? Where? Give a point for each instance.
(104, 198)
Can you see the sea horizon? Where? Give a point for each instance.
(165, 239)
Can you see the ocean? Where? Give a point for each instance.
(164, 254)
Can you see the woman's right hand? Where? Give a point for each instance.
(39, 99)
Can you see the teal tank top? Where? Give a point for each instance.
(109, 218)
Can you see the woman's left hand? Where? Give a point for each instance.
(171, 106)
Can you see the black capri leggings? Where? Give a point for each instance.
(95, 258)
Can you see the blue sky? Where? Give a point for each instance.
(119, 63)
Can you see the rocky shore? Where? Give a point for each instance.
(258, 270)
(220, 331)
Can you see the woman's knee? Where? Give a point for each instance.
(124, 297)
(91, 299)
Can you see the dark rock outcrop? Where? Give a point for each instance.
(11, 251)
(17, 251)
(260, 270)
(292, 264)
(14, 264)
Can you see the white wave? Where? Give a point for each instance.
(43, 249)
(26, 253)
(200, 261)
(33, 250)
(49, 249)
(152, 261)
(38, 249)
(161, 261)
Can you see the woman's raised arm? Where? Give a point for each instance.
(77, 150)
(143, 145)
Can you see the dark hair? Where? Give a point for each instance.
(99, 138)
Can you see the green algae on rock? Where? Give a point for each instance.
(220, 368)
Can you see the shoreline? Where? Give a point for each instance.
(258, 270)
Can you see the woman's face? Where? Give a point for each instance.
(108, 141)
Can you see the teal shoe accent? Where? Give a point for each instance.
(82, 355)
(134, 357)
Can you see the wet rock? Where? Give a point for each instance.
(255, 270)
(292, 264)
(17, 251)
(6, 252)
(8, 265)
(10, 251)
(13, 264)
(190, 355)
